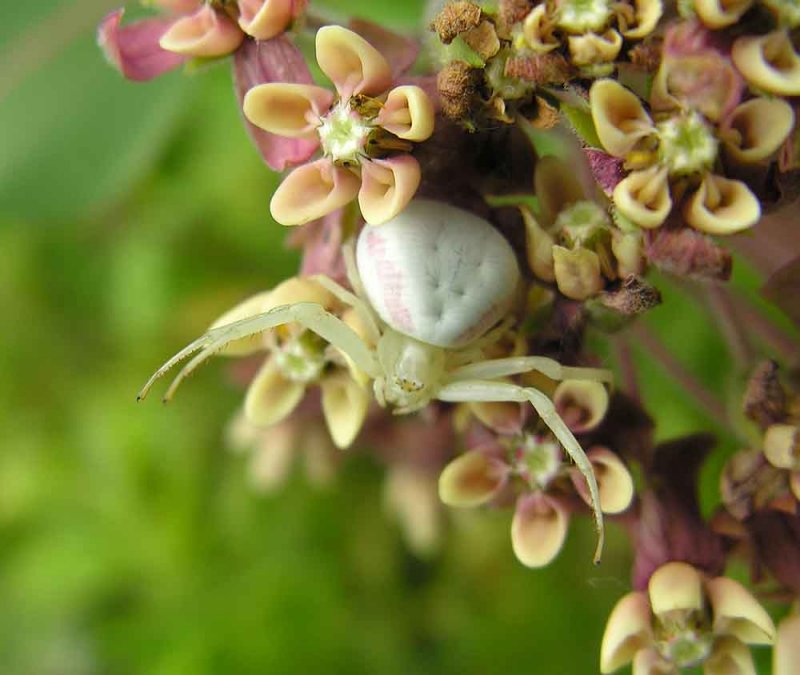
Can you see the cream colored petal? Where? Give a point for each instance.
(534, 30)
(582, 404)
(643, 197)
(577, 272)
(264, 19)
(538, 530)
(590, 48)
(648, 14)
(352, 64)
(344, 405)
(782, 446)
(757, 128)
(768, 62)
(312, 191)
(410, 495)
(619, 117)
(736, 612)
(298, 289)
(722, 206)
(628, 251)
(255, 304)
(794, 484)
(272, 459)
(206, 33)
(505, 418)
(729, 657)
(271, 396)
(539, 248)
(627, 631)
(786, 657)
(718, 14)
(319, 455)
(649, 662)
(387, 187)
(471, 479)
(676, 585)
(556, 186)
(285, 109)
(613, 479)
(408, 113)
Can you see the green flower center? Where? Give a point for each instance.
(343, 134)
(302, 359)
(537, 460)
(687, 144)
(580, 220)
(684, 639)
(583, 16)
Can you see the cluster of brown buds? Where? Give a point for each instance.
(462, 233)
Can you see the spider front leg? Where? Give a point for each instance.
(362, 309)
(487, 391)
(518, 365)
(308, 314)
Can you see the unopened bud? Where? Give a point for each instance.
(454, 19)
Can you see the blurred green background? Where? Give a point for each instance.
(131, 540)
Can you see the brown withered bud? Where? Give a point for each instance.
(687, 253)
(546, 116)
(454, 19)
(457, 83)
(539, 68)
(633, 297)
(483, 40)
(765, 398)
(510, 12)
(647, 54)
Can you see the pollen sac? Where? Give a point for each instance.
(437, 273)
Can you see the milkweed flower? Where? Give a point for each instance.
(528, 468)
(685, 620)
(150, 47)
(297, 359)
(365, 133)
(680, 153)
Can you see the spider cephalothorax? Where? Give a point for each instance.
(429, 285)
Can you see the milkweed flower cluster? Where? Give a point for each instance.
(466, 223)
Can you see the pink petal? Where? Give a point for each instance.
(134, 49)
(276, 60)
(322, 247)
(177, 6)
(400, 51)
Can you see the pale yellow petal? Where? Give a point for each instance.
(388, 185)
(471, 479)
(312, 191)
(298, 289)
(722, 206)
(206, 33)
(736, 612)
(649, 662)
(582, 404)
(344, 405)
(538, 530)
(675, 586)
(647, 15)
(287, 109)
(410, 495)
(729, 657)
(613, 480)
(591, 48)
(272, 458)
(264, 19)
(782, 446)
(757, 128)
(271, 396)
(255, 304)
(786, 657)
(539, 248)
(556, 186)
(352, 64)
(408, 113)
(627, 632)
(577, 272)
(718, 14)
(537, 36)
(628, 251)
(619, 117)
(768, 62)
(643, 197)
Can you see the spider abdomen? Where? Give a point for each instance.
(437, 273)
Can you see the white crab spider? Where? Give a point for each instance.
(437, 278)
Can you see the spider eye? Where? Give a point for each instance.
(407, 385)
